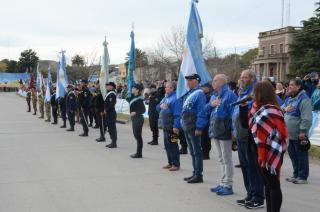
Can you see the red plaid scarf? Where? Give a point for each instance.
(270, 135)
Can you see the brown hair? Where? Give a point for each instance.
(264, 93)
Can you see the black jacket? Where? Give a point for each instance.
(137, 105)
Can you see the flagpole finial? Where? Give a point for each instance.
(105, 43)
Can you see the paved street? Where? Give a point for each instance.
(46, 169)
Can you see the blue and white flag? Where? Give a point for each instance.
(104, 72)
(48, 89)
(39, 83)
(193, 61)
(62, 80)
(131, 65)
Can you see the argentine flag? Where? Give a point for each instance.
(104, 72)
(39, 83)
(48, 89)
(131, 64)
(62, 80)
(193, 61)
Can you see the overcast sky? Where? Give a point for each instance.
(80, 26)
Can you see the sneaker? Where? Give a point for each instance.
(298, 181)
(216, 189)
(291, 179)
(224, 191)
(254, 205)
(243, 202)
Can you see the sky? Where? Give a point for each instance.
(79, 27)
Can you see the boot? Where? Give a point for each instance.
(112, 145)
(84, 134)
(71, 129)
(137, 155)
(101, 139)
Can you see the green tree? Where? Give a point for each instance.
(28, 61)
(140, 58)
(77, 60)
(305, 50)
(248, 57)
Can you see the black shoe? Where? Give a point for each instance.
(136, 156)
(95, 127)
(90, 125)
(195, 179)
(254, 205)
(63, 126)
(183, 151)
(54, 123)
(47, 120)
(101, 139)
(150, 142)
(112, 146)
(154, 143)
(243, 202)
(85, 134)
(70, 130)
(206, 157)
(188, 178)
(237, 166)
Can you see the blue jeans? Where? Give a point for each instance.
(299, 159)
(253, 181)
(172, 150)
(194, 144)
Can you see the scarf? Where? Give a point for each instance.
(270, 135)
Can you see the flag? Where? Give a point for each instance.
(193, 61)
(39, 82)
(31, 81)
(48, 89)
(62, 80)
(131, 65)
(104, 72)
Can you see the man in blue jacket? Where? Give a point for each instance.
(170, 114)
(193, 122)
(220, 109)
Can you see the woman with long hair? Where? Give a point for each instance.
(266, 121)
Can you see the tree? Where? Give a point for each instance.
(77, 60)
(28, 61)
(3, 66)
(305, 50)
(248, 57)
(140, 58)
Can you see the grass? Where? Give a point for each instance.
(315, 152)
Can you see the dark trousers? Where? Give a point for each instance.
(253, 181)
(84, 119)
(55, 114)
(102, 124)
(111, 120)
(153, 122)
(63, 115)
(299, 159)
(194, 144)
(182, 140)
(71, 118)
(137, 124)
(205, 141)
(29, 105)
(272, 190)
(172, 149)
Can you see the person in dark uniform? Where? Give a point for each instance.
(71, 106)
(94, 107)
(205, 139)
(137, 109)
(28, 98)
(154, 100)
(84, 104)
(99, 110)
(54, 106)
(110, 113)
(62, 104)
(92, 114)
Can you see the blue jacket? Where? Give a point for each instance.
(224, 110)
(194, 103)
(174, 108)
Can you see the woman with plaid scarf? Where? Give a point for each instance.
(269, 132)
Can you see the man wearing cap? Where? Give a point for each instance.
(99, 110)
(71, 106)
(110, 113)
(205, 139)
(84, 104)
(54, 106)
(193, 122)
(154, 100)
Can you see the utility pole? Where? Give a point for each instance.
(288, 12)
(282, 13)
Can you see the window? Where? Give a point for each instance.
(281, 48)
(272, 49)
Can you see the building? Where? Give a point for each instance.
(273, 59)
(122, 72)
